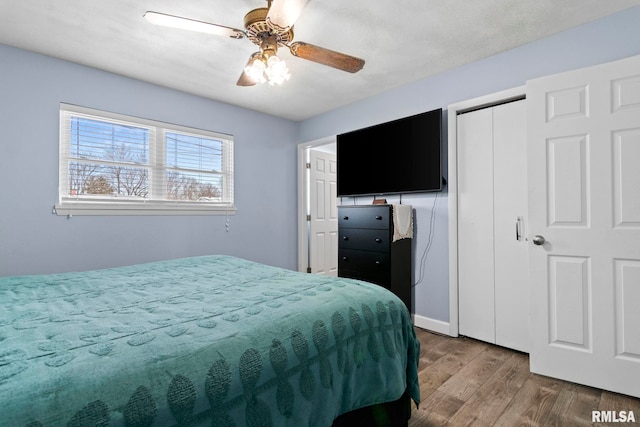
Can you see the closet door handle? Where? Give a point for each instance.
(379, 217)
(378, 240)
(519, 228)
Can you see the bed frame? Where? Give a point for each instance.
(391, 414)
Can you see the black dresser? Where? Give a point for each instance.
(366, 250)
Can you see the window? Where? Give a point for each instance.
(115, 164)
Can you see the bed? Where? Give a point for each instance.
(213, 340)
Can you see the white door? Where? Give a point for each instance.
(475, 225)
(323, 219)
(510, 211)
(584, 201)
(492, 203)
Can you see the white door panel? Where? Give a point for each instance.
(510, 210)
(584, 199)
(323, 225)
(626, 178)
(475, 225)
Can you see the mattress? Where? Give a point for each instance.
(213, 340)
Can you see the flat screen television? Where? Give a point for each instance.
(401, 156)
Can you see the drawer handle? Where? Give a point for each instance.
(379, 217)
(378, 240)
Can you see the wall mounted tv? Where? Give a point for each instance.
(401, 156)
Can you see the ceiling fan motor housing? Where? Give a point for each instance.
(260, 32)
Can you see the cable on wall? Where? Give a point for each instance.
(227, 223)
(425, 254)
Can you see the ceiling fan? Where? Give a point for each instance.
(269, 28)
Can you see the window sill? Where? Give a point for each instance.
(135, 209)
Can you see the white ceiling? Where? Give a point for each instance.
(401, 41)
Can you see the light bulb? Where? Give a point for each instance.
(255, 71)
(277, 71)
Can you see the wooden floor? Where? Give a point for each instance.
(465, 382)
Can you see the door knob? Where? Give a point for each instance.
(538, 240)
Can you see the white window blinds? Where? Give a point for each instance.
(115, 164)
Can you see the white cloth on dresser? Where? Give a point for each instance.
(402, 221)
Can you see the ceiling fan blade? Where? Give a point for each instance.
(327, 57)
(163, 19)
(245, 80)
(284, 13)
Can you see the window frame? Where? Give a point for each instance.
(68, 205)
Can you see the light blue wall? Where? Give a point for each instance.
(608, 39)
(32, 240)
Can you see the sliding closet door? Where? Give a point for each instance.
(475, 225)
(510, 207)
(492, 203)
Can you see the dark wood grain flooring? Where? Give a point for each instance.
(465, 382)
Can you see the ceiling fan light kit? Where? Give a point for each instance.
(268, 28)
(264, 67)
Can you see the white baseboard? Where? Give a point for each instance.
(433, 325)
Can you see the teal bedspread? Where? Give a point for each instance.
(215, 341)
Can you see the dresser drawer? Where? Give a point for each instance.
(365, 265)
(367, 239)
(364, 216)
